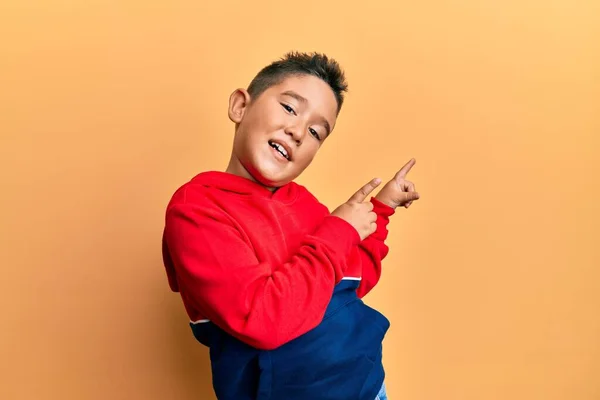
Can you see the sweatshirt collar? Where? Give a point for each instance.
(236, 184)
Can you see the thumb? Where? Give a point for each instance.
(408, 197)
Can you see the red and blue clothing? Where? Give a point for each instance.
(272, 284)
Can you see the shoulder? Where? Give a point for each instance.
(195, 199)
(189, 193)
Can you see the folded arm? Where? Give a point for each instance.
(262, 304)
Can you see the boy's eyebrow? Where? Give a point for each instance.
(295, 95)
(301, 99)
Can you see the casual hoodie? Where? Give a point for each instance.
(272, 284)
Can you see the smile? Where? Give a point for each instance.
(280, 149)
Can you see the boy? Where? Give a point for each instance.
(270, 279)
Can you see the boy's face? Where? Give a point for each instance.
(279, 133)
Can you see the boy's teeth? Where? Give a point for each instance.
(280, 149)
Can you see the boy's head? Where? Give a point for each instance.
(284, 116)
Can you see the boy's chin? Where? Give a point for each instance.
(272, 179)
(272, 182)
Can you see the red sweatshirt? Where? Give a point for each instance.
(262, 265)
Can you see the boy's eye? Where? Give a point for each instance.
(288, 109)
(314, 133)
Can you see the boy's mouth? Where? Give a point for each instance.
(281, 149)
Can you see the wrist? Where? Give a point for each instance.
(386, 201)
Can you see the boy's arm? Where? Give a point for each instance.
(262, 304)
(397, 192)
(371, 251)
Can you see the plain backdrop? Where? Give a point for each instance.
(492, 284)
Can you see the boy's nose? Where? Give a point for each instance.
(296, 134)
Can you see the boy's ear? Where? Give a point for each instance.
(238, 102)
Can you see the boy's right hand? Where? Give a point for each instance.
(359, 213)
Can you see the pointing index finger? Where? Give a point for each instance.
(406, 169)
(364, 191)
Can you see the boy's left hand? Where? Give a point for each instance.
(399, 191)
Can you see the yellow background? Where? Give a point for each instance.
(492, 284)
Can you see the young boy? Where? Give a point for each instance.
(271, 280)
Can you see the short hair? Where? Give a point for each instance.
(296, 63)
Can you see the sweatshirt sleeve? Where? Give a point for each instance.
(371, 251)
(262, 304)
